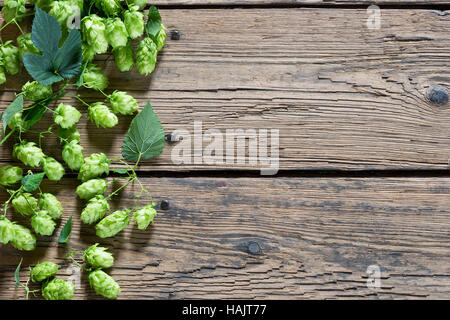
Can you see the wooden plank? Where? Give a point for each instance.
(267, 238)
(342, 96)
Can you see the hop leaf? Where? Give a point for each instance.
(94, 210)
(112, 224)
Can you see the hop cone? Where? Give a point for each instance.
(6, 230)
(95, 165)
(53, 169)
(51, 204)
(66, 115)
(10, 175)
(26, 45)
(98, 257)
(161, 38)
(104, 284)
(93, 29)
(123, 103)
(116, 32)
(64, 11)
(110, 7)
(95, 210)
(144, 216)
(28, 153)
(23, 239)
(13, 9)
(124, 57)
(138, 3)
(25, 204)
(35, 91)
(102, 115)
(146, 56)
(112, 224)
(2, 73)
(134, 22)
(58, 289)
(72, 154)
(69, 134)
(17, 122)
(91, 188)
(11, 57)
(94, 78)
(43, 271)
(42, 223)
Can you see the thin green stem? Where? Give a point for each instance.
(18, 26)
(81, 100)
(7, 136)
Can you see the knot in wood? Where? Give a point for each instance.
(438, 96)
(254, 248)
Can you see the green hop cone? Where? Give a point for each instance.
(17, 122)
(42, 4)
(2, 73)
(11, 57)
(98, 257)
(25, 204)
(116, 32)
(112, 224)
(51, 204)
(161, 38)
(94, 210)
(134, 22)
(102, 116)
(13, 9)
(26, 45)
(6, 230)
(28, 153)
(72, 155)
(110, 7)
(58, 289)
(88, 52)
(104, 284)
(10, 175)
(64, 11)
(94, 166)
(144, 216)
(66, 115)
(53, 169)
(123, 103)
(67, 135)
(138, 3)
(23, 239)
(42, 223)
(146, 56)
(35, 91)
(93, 29)
(91, 188)
(124, 57)
(42, 271)
(93, 78)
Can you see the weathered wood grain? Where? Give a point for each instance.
(342, 96)
(267, 238)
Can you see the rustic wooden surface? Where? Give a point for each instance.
(343, 97)
(268, 238)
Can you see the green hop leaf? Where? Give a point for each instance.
(31, 182)
(42, 223)
(91, 188)
(102, 116)
(145, 138)
(98, 257)
(10, 175)
(66, 115)
(43, 271)
(25, 204)
(112, 224)
(51, 204)
(144, 216)
(17, 273)
(154, 22)
(66, 231)
(123, 103)
(104, 284)
(58, 289)
(94, 210)
(10, 112)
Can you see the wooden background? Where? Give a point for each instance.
(364, 156)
